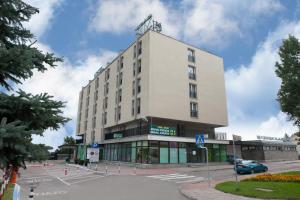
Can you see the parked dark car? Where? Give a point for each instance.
(230, 159)
(250, 167)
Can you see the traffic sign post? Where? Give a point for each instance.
(200, 141)
(235, 137)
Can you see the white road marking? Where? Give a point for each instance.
(50, 193)
(63, 181)
(87, 180)
(179, 177)
(82, 177)
(198, 179)
(166, 175)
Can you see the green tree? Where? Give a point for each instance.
(18, 57)
(288, 69)
(39, 152)
(69, 140)
(23, 114)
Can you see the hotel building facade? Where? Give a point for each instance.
(147, 105)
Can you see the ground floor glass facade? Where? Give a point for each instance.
(163, 152)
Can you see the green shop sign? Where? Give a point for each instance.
(118, 135)
(162, 130)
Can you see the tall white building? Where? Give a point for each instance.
(148, 103)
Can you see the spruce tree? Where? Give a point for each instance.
(23, 114)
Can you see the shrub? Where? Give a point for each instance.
(275, 178)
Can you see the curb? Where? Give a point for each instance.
(186, 195)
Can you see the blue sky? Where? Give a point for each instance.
(89, 33)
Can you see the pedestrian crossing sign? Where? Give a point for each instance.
(200, 140)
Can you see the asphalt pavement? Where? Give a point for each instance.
(113, 182)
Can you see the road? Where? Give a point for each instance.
(52, 182)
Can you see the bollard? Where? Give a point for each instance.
(66, 172)
(106, 169)
(119, 168)
(134, 169)
(31, 194)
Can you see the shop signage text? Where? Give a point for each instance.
(162, 130)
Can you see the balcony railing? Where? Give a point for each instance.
(191, 58)
(194, 113)
(192, 76)
(193, 94)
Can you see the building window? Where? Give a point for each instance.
(96, 95)
(194, 109)
(138, 105)
(86, 113)
(116, 114)
(120, 95)
(117, 82)
(138, 85)
(134, 51)
(119, 113)
(95, 109)
(132, 108)
(133, 88)
(107, 74)
(105, 118)
(97, 83)
(140, 47)
(252, 148)
(105, 100)
(106, 88)
(121, 78)
(89, 89)
(121, 62)
(94, 122)
(139, 66)
(85, 125)
(192, 72)
(116, 97)
(93, 136)
(244, 148)
(133, 69)
(87, 101)
(193, 90)
(191, 55)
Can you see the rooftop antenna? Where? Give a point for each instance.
(148, 24)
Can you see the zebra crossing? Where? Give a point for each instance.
(72, 175)
(178, 178)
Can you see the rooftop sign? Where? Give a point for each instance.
(259, 137)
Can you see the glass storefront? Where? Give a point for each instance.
(163, 152)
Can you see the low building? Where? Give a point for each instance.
(296, 140)
(264, 150)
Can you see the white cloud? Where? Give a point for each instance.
(205, 22)
(65, 82)
(252, 90)
(274, 126)
(119, 16)
(265, 7)
(40, 22)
